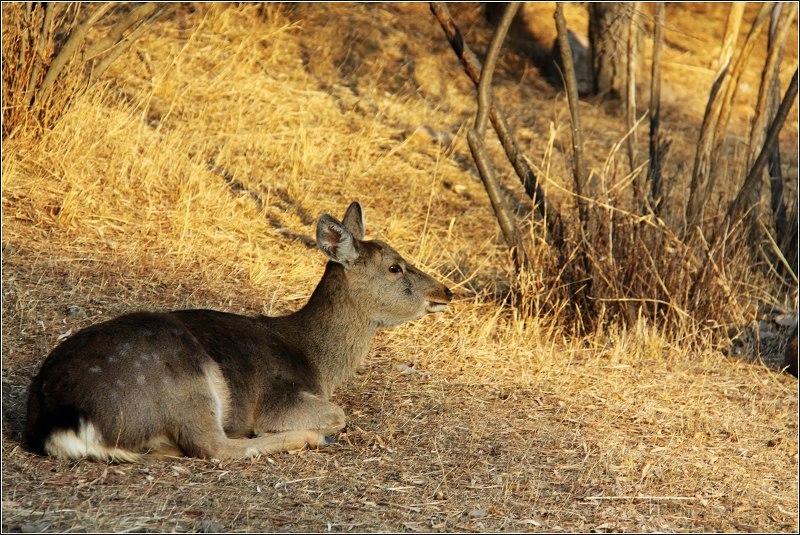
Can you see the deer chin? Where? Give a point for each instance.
(385, 323)
(431, 306)
(388, 323)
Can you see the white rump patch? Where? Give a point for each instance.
(86, 442)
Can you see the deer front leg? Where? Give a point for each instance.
(307, 413)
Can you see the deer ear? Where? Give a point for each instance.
(336, 241)
(354, 220)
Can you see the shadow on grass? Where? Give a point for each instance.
(15, 400)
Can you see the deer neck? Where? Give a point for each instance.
(334, 329)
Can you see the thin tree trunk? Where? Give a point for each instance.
(121, 43)
(136, 15)
(654, 170)
(732, 26)
(70, 48)
(760, 120)
(701, 182)
(472, 66)
(42, 45)
(726, 105)
(740, 204)
(578, 173)
(476, 135)
(775, 173)
(27, 24)
(579, 292)
(607, 33)
(630, 100)
(769, 77)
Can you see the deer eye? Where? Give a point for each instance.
(395, 268)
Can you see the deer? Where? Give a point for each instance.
(217, 385)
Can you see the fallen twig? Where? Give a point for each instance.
(662, 498)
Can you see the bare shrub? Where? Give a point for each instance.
(53, 52)
(688, 268)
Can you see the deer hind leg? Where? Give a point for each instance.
(202, 435)
(309, 421)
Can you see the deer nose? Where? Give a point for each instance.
(448, 294)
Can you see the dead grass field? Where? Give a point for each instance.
(477, 419)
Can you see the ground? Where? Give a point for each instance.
(476, 419)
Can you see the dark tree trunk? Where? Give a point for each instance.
(609, 24)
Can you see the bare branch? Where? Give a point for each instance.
(475, 136)
(485, 83)
(701, 172)
(158, 11)
(775, 174)
(774, 53)
(630, 99)
(581, 291)
(656, 154)
(42, 44)
(27, 22)
(729, 39)
(136, 15)
(578, 173)
(472, 66)
(726, 104)
(739, 204)
(70, 48)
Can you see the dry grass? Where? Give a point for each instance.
(479, 419)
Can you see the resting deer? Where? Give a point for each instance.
(216, 385)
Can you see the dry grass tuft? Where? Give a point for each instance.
(190, 178)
